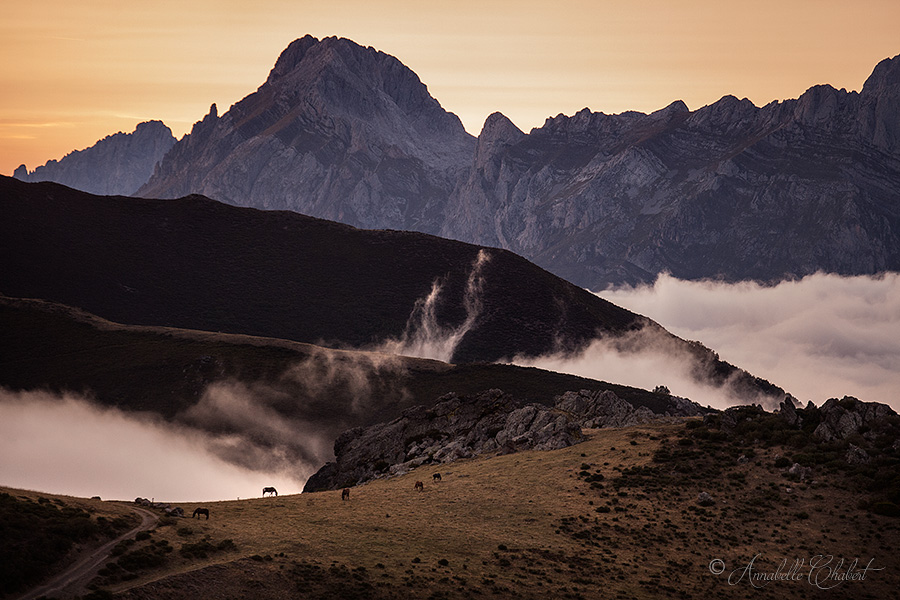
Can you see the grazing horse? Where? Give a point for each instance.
(201, 511)
(436, 477)
(345, 494)
(419, 486)
(270, 490)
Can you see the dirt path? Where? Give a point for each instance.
(72, 581)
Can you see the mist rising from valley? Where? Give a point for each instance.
(819, 337)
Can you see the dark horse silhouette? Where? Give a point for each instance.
(270, 490)
(419, 486)
(436, 477)
(201, 511)
(345, 494)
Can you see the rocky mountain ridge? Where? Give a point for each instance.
(118, 164)
(729, 191)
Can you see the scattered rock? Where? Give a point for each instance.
(704, 499)
(800, 472)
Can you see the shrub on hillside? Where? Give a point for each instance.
(36, 535)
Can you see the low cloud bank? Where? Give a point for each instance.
(646, 359)
(236, 439)
(68, 445)
(820, 337)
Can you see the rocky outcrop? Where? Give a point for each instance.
(848, 416)
(116, 165)
(789, 413)
(456, 427)
(465, 426)
(602, 409)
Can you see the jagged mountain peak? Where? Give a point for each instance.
(338, 130)
(885, 78)
(356, 78)
(499, 129)
(117, 164)
(498, 132)
(675, 108)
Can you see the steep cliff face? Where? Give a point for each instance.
(728, 191)
(338, 131)
(116, 165)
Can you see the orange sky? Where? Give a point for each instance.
(74, 72)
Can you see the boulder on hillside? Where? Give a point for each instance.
(848, 416)
(788, 412)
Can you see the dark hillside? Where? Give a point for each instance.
(198, 264)
(167, 371)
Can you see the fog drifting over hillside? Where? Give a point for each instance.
(68, 445)
(820, 337)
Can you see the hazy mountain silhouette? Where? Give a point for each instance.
(117, 164)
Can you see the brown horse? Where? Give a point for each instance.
(345, 494)
(270, 490)
(201, 511)
(420, 487)
(436, 477)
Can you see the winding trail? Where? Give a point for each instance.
(72, 581)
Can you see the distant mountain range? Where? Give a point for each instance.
(729, 191)
(118, 164)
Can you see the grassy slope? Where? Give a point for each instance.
(527, 526)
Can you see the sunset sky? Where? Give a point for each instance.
(74, 72)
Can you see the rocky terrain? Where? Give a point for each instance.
(728, 191)
(116, 165)
(458, 427)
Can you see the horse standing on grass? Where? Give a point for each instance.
(345, 494)
(436, 477)
(201, 511)
(270, 490)
(419, 487)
